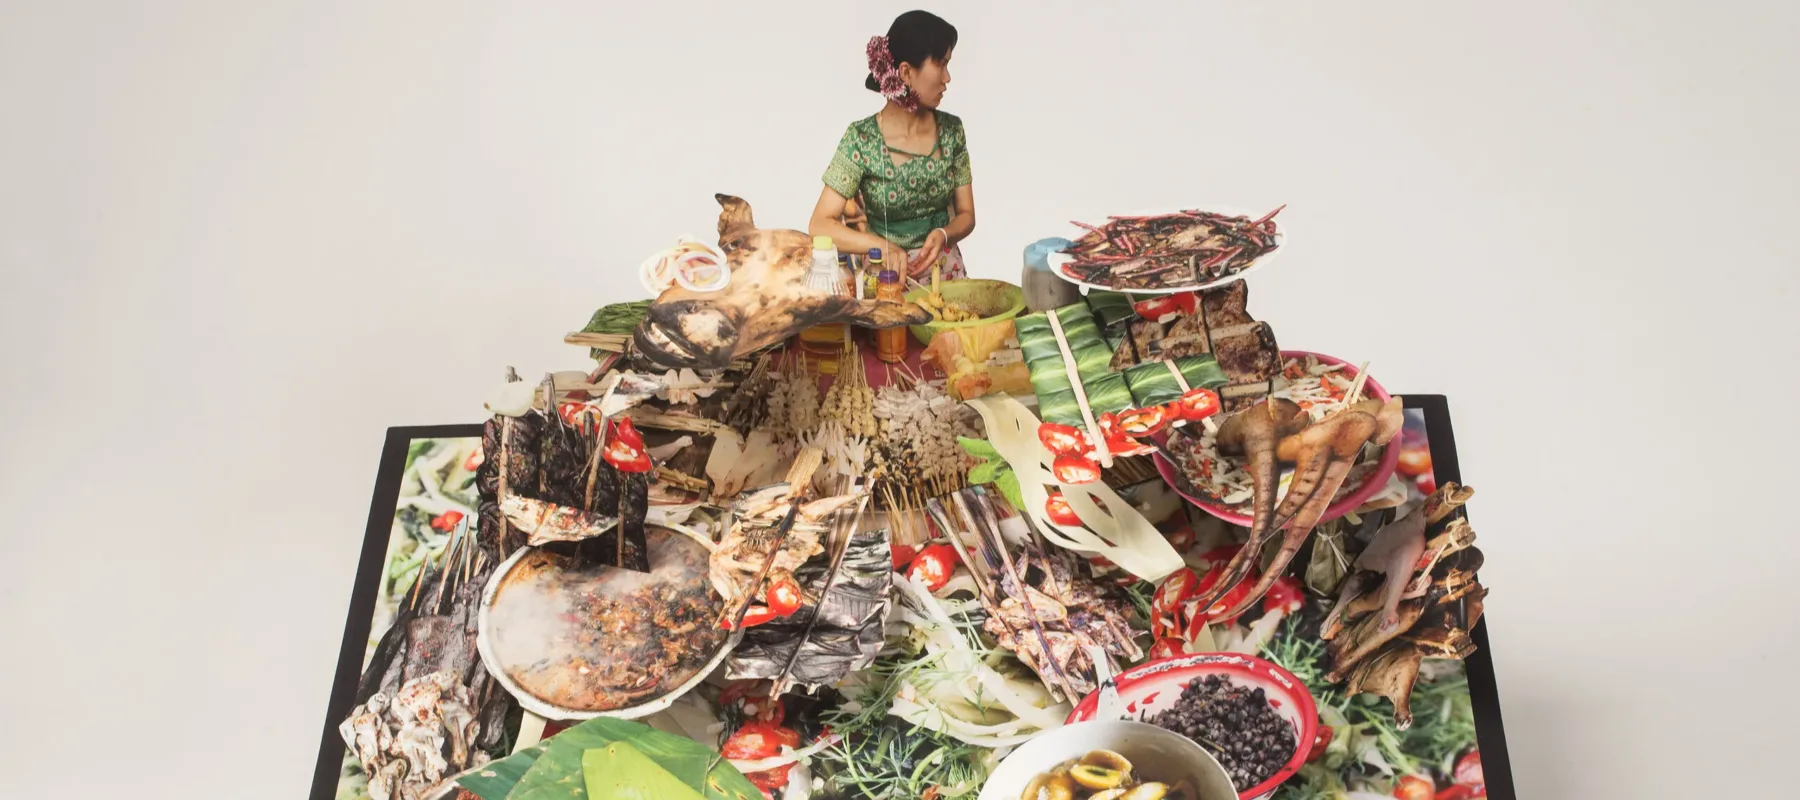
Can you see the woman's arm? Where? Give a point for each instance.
(962, 214)
(827, 221)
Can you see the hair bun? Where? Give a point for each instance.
(871, 84)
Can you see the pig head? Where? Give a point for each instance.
(767, 302)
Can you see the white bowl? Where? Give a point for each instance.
(1153, 752)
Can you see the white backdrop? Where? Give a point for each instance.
(241, 239)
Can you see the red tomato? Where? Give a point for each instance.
(474, 460)
(1167, 647)
(903, 555)
(1058, 510)
(785, 596)
(1321, 741)
(1063, 440)
(1198, 404)
(1414, 461)
(1180, 586)
(754, 741)
(770, 779)
(1413, 787)
(933, 567)
(1075, 469)
(626, 432)
(1144, 421)
(446, 521)
(569, 411)
(1468, 770)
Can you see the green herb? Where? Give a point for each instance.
(618, 319)
(993, 469)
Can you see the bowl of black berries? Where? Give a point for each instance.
(1250, 714)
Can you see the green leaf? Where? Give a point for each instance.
(979, 448)
(556, 774)
(619, 771)
(1008, 483)
(987, 471)
(496, 780)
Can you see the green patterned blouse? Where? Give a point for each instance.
(904, 203)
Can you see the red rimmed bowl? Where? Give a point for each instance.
(1372, 483)
(1156, 685)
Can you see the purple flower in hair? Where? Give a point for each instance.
(887, 74)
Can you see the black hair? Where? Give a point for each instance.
(914, 38)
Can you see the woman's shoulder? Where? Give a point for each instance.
(949, 120)
(864, 129)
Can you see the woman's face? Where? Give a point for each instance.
(928, 82)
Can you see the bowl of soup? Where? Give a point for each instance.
(1109, 760)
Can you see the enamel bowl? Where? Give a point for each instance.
(1154, 686)
(1346, 502)
(1153, 752)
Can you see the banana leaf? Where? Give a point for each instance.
(1153, 384)
(552, 770)
(1107, 392)
(619, 771)
(848, 633)
(1037, 343)
(1112, 308)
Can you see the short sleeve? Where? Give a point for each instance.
(845, 174)
(959, 159)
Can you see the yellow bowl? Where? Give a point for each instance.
(993, 300)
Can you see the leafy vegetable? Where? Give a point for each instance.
(553, 768)
(618, 319)
(993, 469)
(619, 771)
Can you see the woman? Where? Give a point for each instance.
(906, 167)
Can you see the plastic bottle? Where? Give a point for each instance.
(827, 276)
(890, 343)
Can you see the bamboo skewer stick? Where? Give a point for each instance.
(1356, 388)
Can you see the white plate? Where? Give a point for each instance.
(1057, 260)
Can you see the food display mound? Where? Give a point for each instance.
(576, 642)
(1221, 486)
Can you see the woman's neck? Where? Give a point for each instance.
(910, 123)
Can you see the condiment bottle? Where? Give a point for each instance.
(890, 343)
(826, 276)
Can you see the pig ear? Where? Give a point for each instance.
(734, 218)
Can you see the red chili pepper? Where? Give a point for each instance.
(568, 412)
(757, 615)
(1144, 421)
(446, 521)
(1075, 469)
(785, 596)
(1199, 618)
(1161, 309)
(754, 741)
(625, 449)
(1058, 510)
(933, 567)
(473, 462)
(1182, 539)
(1198, 404)
(903, 555)
(1286, 596)
(1321, 740)
(1063, 440)
(1167, 647)
(1117, 442)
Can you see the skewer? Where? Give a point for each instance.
(443, 571)
(1356, 388)
(1024, 598)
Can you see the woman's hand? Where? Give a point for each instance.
(935, 242)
